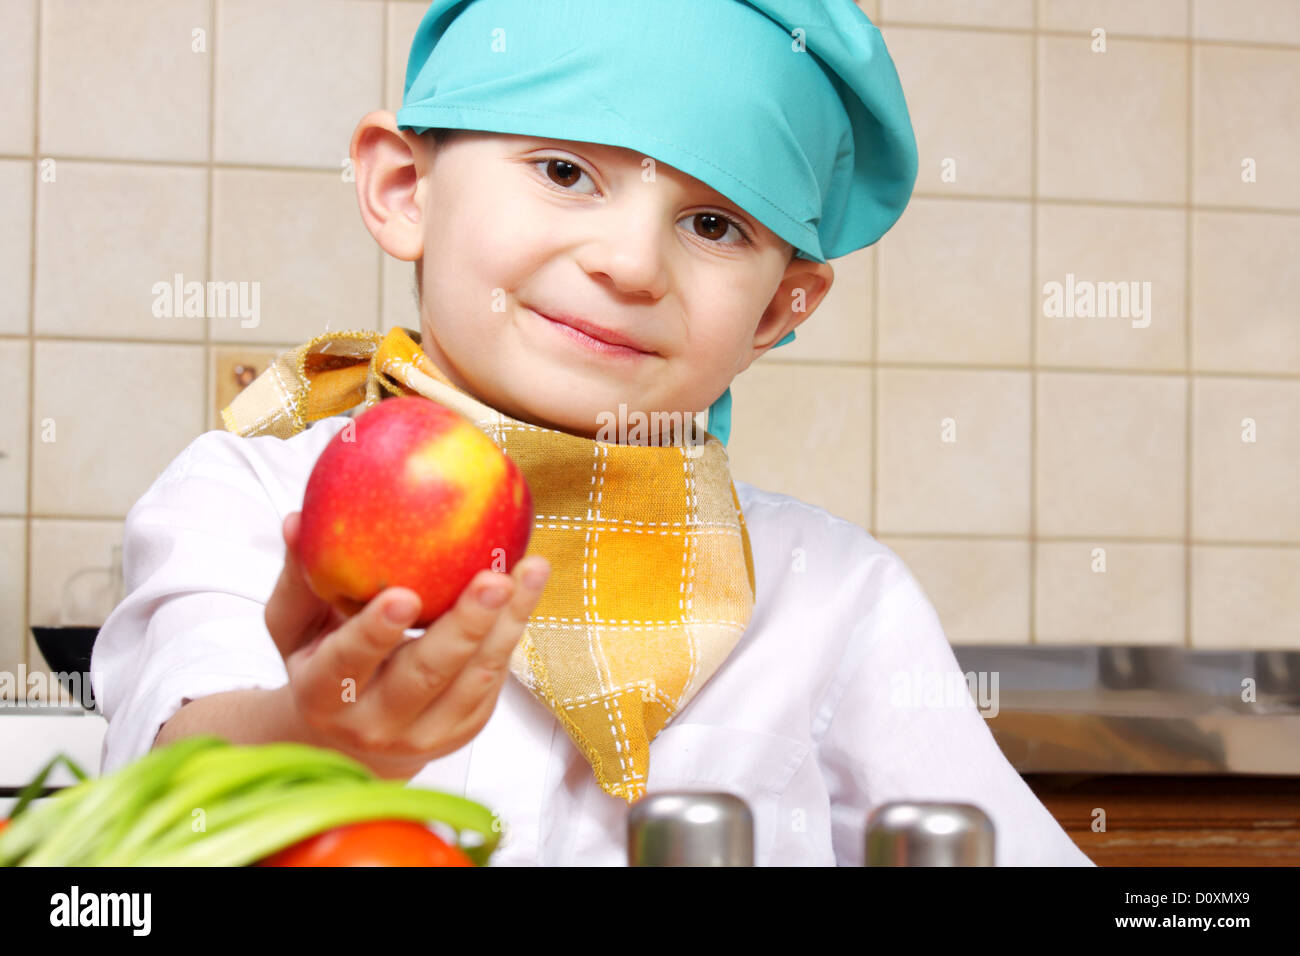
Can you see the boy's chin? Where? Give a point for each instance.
(555, 421)
(578, 425)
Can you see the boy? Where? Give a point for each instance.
(635, 201)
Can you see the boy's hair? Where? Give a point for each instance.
(436, 139)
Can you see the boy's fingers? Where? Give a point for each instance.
(293, 608)
(494, 652)
(426, 667)
(339, 669)
(481, 677)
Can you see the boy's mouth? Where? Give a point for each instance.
(593, 338)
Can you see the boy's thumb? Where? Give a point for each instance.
(293, 608)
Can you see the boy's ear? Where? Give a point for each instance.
(390, 165)
(802, 289)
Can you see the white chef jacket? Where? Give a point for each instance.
(801, 720)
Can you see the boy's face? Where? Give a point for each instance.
(512, 226)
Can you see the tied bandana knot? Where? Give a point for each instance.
(652, 576)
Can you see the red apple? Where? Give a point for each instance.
(412, 495)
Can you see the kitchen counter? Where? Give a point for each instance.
(1143, 710)
(1174, 820)
(1153, 756)
(31, 736)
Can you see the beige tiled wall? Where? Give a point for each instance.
(1002, 452)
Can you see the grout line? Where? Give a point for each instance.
(977, 537)
(972, 366)
(24, 639)
(179, 163)
(383, 95)
(1084, 34)
(1034, 308)
(1110, 203)
(149, 340)
(1189, 456)
(928, 366)
(873, 369)
(209, 353)
(916, 194)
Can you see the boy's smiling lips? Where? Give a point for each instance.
(594, 337)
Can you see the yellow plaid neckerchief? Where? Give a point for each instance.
(652, 577)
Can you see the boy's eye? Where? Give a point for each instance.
(715, 222)
(565, 173)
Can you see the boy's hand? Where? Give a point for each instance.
(361, 686)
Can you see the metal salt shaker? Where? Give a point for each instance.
(690, 828)
(928, 833)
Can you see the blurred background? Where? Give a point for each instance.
(1058, 468)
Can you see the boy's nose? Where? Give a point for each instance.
(629, 249)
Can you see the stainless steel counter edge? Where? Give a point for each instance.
(1139, 709)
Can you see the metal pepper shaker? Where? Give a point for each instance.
(928, 833)
(690, 828)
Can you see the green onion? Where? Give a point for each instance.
(314, 808)
(27, 831)
(33, 789)
(256, 800)
(235, 808)
(120, 792)
(207, 778)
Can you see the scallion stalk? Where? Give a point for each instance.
(134, 785)
(256, 800)
(233, 809)
(36, 823)
(209, 777)
(314, 808)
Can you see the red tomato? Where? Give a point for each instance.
(3, 824)
(371, 843)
